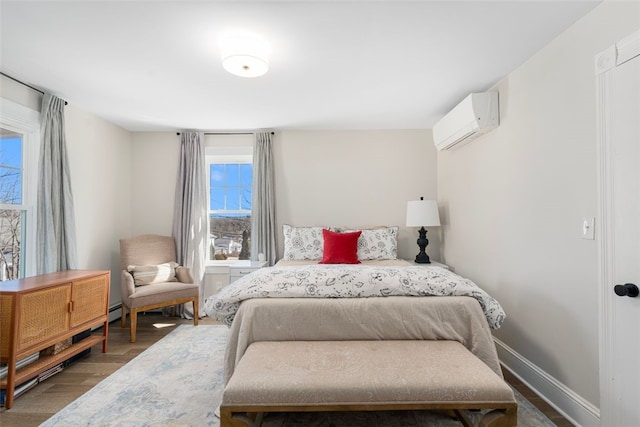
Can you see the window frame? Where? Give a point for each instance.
(25, 121)
(227, 149)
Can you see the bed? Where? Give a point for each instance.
(378, 298)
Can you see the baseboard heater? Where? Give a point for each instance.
(115, 312)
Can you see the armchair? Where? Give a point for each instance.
(151, 292)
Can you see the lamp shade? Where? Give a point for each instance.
(422, 213)
(245, 54)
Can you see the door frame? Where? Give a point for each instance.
(615, 55)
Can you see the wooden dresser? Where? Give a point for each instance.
(40, 311)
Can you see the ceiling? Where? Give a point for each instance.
(155, 65)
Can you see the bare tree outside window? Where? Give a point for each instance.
(10, 238)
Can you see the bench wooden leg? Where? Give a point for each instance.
(500, 418)
(225, 418)
(507, 417)
(240, 419)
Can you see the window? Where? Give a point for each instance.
(18, 142)
(230, 174)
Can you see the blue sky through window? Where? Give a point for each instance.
(11, 169)
(230, 189)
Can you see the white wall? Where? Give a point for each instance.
(100, 178)
(355, 178)
(515, 200)
(154, 160)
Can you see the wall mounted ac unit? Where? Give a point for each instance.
(476, 115)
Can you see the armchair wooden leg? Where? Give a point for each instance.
(134, 323)
(196, 308)
(123, 316)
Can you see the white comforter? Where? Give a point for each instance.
(348, 281)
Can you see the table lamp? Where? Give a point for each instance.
(422, 213)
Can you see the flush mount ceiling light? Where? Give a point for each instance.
(245, 54)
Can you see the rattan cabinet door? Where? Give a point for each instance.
(43, 315)
(90, 299)
(6, 324)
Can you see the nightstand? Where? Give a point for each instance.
(432, 264)
(242, 268)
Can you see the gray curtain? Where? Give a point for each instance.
(190, 212)
(56, 229)
(263, 209)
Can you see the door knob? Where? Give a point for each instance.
(628, 290)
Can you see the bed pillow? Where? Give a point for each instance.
(378, 243)
(302, 243)
(340, 248)
(150, 274)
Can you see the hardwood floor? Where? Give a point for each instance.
(53, 394)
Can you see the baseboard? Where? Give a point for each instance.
(564, 400)
(115, 312)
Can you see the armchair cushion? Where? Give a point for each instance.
(150, 274)
(162, 293)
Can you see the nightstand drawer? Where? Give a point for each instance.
(242, 268)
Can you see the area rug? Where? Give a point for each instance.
(178, 382)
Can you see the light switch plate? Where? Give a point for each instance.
(589, 228)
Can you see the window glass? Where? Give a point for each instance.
(216, 175)
(216, 196)
(230, 208)
(13, 216)
(10, 168)
(232, 175)
(246, 198)
(11, 248)
(233, 198)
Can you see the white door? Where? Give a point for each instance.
(618, 71)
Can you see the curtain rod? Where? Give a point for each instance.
(25, 84)
(228, 133)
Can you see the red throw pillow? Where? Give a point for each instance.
(340, 248)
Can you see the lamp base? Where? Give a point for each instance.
(422, 257)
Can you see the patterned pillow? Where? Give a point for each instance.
(302, 243)
(150, 274)
(378, 243)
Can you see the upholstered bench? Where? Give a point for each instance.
(297, 376)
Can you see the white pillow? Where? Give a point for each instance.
(302, 243)
(150, 274)
(378, 243)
